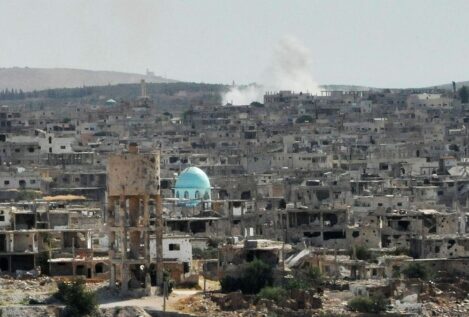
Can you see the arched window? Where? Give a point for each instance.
(206, 195)
(177, 194)
(197, 194)
(99, 268)
(186, 194)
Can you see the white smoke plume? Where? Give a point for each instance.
(244, 95)
(290, 70)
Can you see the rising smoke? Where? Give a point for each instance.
(290, 70)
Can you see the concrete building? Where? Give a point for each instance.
(133, 215)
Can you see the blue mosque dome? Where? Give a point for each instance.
(193, 177)
(192, 186)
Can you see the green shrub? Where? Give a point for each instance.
(254, 276)
(314, 275)
(230, 284)
(209, 253)
(78, 301)
(273, 293)
(26, 194)
(214, 242)
(401, 251)
(306, 279)
(363, 304)
(297, 283)
(362, 253)
(416, 270)
(257, 274)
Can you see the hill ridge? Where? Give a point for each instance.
(29, 78)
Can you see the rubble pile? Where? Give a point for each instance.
(335, 301)
(32, 311)
(28, 284)
(236, 304)
(197, 304)
(127, 311)
(446, 308)
(231, 301)
(446, 300)
(284, 309)
(22, 291)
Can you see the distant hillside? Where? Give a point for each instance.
(29, 79)
(346, 88)
(449, 86)
(177, 96)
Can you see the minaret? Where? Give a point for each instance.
(143, 89)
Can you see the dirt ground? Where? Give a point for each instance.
(155, 302)
(21, 293)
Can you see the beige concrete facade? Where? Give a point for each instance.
(133, 214)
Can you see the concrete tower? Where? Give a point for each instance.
(143, 89)
(134, 214)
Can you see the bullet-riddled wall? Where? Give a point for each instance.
(133, 214)
(133, 174)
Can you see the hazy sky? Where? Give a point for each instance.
(379, 43)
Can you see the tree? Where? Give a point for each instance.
(304, 119)
(416, 270)
(230, 284)
(77, 299)
(463, 94)
(257, 104)
(362, 253)
(255, 276)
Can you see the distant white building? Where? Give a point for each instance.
(175, 248)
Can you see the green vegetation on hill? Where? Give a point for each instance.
(122, 91)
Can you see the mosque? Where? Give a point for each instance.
(192, 186)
